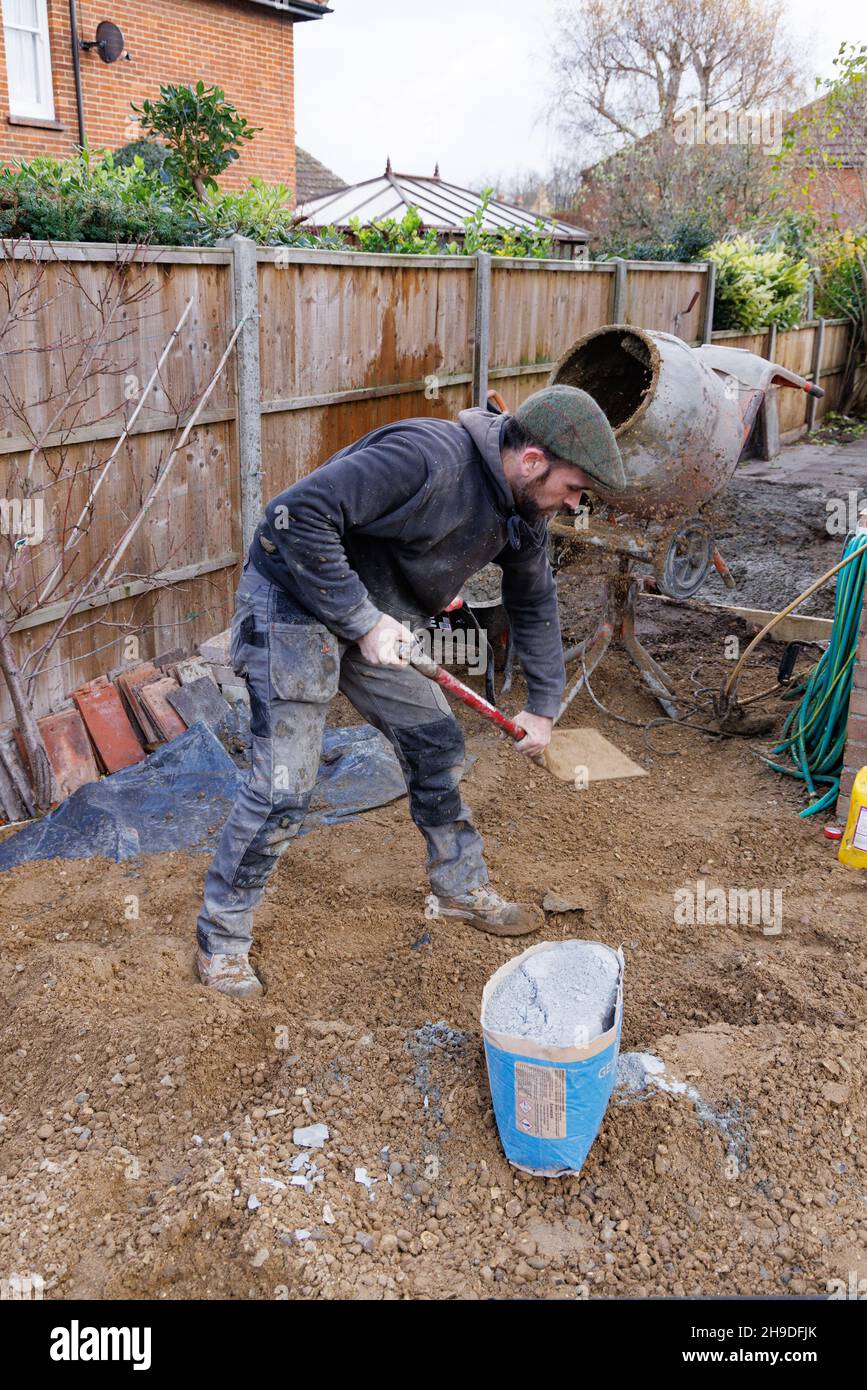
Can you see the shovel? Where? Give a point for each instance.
(570, 753)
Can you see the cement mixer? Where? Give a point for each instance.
(681, 416)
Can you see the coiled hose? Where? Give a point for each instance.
(814, 734)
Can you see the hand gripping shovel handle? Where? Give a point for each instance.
(429, 668)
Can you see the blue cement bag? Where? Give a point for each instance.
(549, 1102)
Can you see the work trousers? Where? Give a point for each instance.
(293, 666)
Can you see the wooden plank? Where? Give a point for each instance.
(535, 318)
(371, 393)
(658, 300)
(51, 612)
(815, 372)
(284, 256)
(101, 251)
(794, 628)
(106, 431)
(709, 305)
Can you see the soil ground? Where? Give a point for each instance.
(146, 1134)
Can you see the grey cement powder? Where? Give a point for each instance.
(563, 996)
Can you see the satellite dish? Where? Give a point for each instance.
(109, 41)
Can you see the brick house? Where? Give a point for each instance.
(826, 173)
(244, 46)
(834, 169)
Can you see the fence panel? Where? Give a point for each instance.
(347, 342)
(794, 348)
(658, 297)
(538, 309)
(192, 525)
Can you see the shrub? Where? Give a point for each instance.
(151, 152)
(535, 243)
(201, 130)
(685, 244)
(755, 288)
(88, 198)
(260, 211)
(841, 291)
(409, 237)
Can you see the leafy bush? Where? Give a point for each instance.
(152, 154)
(535, 243)
(687, 241)
(140, 194)
(88, 198)
(201, 130)
(841, 291)
(260, 211)
(91, 198)
(755, 288)
(409, 237)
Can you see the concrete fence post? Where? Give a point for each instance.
(482, 328)
(709, 297)
(618, 308)
(246, 301)
(815, 371)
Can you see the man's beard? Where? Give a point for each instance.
(526, 499)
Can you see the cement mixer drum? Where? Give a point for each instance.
(678, 426)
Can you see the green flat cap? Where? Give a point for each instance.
(571, 424)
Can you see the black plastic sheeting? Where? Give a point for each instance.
(180, 795)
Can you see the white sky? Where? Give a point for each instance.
(460, 81)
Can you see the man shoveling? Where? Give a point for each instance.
(345, 564)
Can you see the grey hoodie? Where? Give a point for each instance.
(398, 522)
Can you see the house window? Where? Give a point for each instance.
(28, 58)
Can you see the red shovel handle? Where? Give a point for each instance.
(462, 692)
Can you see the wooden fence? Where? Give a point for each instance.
(336, 344)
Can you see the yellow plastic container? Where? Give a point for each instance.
(853, 846)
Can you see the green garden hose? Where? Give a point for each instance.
(814, 734)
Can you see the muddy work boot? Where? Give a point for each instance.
(487, 911)
(232, 975)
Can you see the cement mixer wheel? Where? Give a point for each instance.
(683, 559)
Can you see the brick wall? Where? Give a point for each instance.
(855, 756)
(244, 48)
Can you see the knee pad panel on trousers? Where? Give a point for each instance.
(434, 754)
(271, 840)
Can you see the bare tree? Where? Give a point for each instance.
(624, 68)
(85, 377)
(656, 190)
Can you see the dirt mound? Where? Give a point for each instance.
(146, 1142)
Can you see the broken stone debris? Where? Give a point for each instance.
(311, 1136)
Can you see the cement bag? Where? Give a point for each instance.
(551, 1022)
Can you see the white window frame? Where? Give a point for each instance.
(43, 111)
